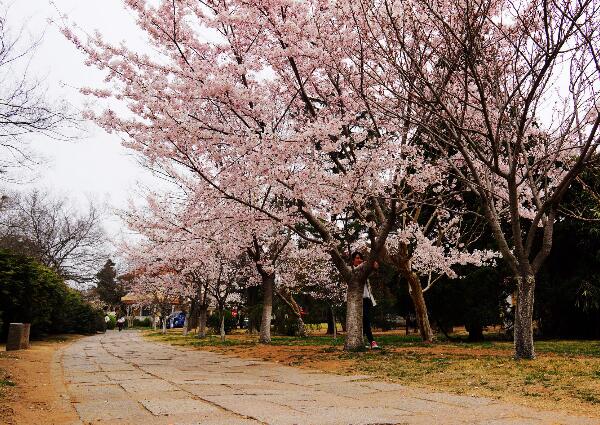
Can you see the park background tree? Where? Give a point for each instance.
(508, 93)
(26, 111)
(33, 293)
(51, 230)
(109, 288)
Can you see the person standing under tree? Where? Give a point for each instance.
(368, 301)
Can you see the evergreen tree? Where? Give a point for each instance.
(109, 289)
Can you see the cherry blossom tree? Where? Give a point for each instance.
(508, 92)
(274, 107)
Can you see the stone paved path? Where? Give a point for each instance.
(118, 378)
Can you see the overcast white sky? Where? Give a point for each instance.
(95, 167)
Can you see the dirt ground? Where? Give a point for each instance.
(38, 391)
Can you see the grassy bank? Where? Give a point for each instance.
(565, 376)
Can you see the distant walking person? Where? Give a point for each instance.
(121, 323)
(368, 301)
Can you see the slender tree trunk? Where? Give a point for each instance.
(288, 298)
(164, 324)
(334, 322)
(185, 325)
(268, 283)
(202, 317)
(330, 322)
(193, 316)
(354, 329)
(416, 293)
(222, 312)
(523, 332)
(301, 327)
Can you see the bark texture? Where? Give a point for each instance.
(193, 316)
(222, 329)
(523, 331)
(330, 321)
(403, 263)
(202, 317)
(185, 325)
(268, 283)
(354, 328)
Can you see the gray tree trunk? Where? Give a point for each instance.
(268, 282)
(416, 294)
(523, 331)
(193, 316)
(354, 305)
(404, 265)
(222, 325)
(202, 317)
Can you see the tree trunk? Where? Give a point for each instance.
(475, 331)
(334, 322)
(354, 329)
(202, 317)
(288, 298)
(268, 282)
(185, 325)
(416, 293)
(164, 325)
(330, 321)
(222, 312)
(193, 316)
(523, 331)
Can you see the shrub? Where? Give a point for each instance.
(112, 322)
(32, 293)
(144, 323)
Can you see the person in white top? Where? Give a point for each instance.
(368, 301)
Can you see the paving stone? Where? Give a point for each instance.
(221, 418)
(130, 410)
(261, 410)
(86, 378)
(118, 378)
(160, 407)
(201, 389)
(128, 375)
(116, 367)
(309, 401)
(96, 392)
(84, 368)
(147, 385)
(358, 415)
(349, 389)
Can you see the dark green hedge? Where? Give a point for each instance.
(32, 293)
